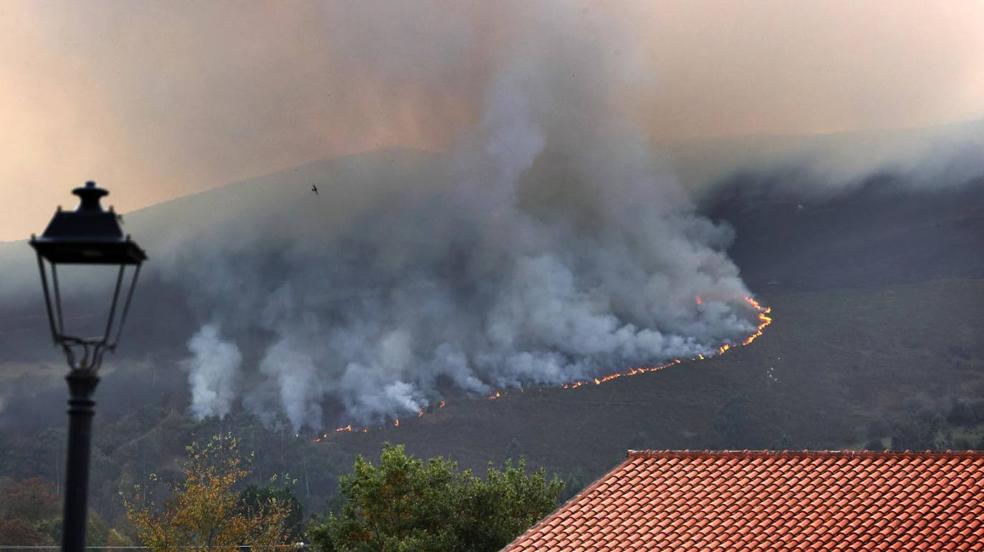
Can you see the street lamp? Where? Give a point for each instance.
(87, 236)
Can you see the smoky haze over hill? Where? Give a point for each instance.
(547, 245)
(329, 259)
(159, 100)
(547, 250)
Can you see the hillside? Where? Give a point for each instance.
(838, 368)
(835, 370)
(877, 295)
(885, 229)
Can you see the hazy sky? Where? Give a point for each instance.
(159, 99)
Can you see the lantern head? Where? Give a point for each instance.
(87, 236)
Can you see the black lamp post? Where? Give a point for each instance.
(87, 236)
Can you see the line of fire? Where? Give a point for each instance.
(764, 319)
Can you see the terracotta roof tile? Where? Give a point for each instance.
(756, 500)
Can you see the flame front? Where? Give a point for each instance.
(764, 320)
(763, 317)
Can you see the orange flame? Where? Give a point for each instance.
(326, 435)
(764, 320)
(763, 317)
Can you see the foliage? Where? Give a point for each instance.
(30, 515)
(874, 444)
(574, 483)
(29, 509)
(204, 510)
(31, 499)
(115, 539)
(925, 430)
(405, 504)
(253, 499)
(18, 532)
(966, 412)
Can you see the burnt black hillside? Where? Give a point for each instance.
(883, 230)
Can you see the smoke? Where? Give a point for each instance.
(927, 159)
(212, 373)
(548, 246)
(294, 372)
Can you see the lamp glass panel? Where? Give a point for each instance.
(86, 293)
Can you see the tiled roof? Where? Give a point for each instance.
(751, 500)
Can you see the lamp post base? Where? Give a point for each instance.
(81, 385)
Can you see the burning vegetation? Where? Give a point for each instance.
(764, 320)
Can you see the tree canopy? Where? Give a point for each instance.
(204, 511)
(405, 504)
(254, 500)
(30, 515)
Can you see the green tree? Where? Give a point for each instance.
(404, 504)
(253, 500)
(29, 512)
(96, 532)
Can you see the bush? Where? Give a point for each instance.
(404, 504)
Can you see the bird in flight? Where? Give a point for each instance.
(314, 188)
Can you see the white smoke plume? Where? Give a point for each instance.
(546, 243)
(548, 247)
(212, 373)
